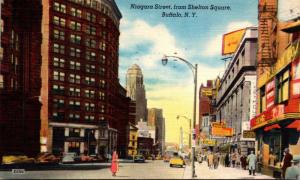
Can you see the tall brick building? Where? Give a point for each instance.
(85, 110)
(20, 83)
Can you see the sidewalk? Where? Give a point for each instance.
(203, 172)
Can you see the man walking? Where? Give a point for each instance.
(286, 161)
(293, 172)
(251, 163)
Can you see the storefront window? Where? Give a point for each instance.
(283, 86)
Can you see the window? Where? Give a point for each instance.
(89, 118)
(89, 93)
(59, 21)
(58, 62)
(90, 43)
(75, 105)
(102, 45)
(77, 79)
(75, 52)
(58, 103)
(104, 34)
(74, 132)
(58, 116)
(59, 35)
(101, 95)
(283, 86)
(102, 59)
(58, 89)
(89, 107)
(58, 48)
(59, 76)
(102, 109)
(74, 65)
(74, 92)
(263, 100)
(59, 7)
(91, 17)
(74, 78)
(102, 84)
(74, 117)
(76, 12)
(75, 25)
(102, 21)
(1, 81)
(102, 71)
(90, 56)
(75, 38)
(91, 30)
(90, 68)
(90, 81)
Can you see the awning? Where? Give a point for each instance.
(292, 27)
(274, 126)
(294, 125)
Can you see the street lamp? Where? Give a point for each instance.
(190, 125)
(193, 68)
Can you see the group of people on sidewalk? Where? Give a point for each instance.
(290, 165)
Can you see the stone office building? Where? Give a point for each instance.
(236, 99)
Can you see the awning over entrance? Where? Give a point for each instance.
(292, 27)
(274, 126)
(294, 125)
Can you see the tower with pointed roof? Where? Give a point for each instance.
(136, 91)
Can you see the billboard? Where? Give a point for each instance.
(220, 129)
(231, 41)
(209, 142)
(288, 10)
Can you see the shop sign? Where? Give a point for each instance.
(270, 91)
(231, 41)
(247, 134)
(222, 132)
(209, 142)
(296, 78)
(218, 124)
(206, 92)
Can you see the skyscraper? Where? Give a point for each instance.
(136, 91)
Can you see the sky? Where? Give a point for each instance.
(146, 36)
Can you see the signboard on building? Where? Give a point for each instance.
(288, 10)
(231, 41)
(270, 91)
(222, 131)
(206, 92)
(247, 134)
(209, 142)
(296, 78)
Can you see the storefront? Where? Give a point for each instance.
(278, 125)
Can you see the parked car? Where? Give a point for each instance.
(16, 158)
(45, 158)
(176, 161)
(139, 158)
(70, 157)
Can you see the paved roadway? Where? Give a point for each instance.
(149, 170)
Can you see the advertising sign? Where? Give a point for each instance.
(288, 10)
(296, 78)
(247, 134)
(222, 132)
(231, 41)
(270, 91)
(209, 142)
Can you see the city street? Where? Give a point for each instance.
(129, 170)
(148, 170)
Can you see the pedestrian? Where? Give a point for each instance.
(238, 160)
(243, 161)
(251, 159)
(227, 161)
(114, 164)
(287, 158)
(210, 159)
(293, 172)
(216, 160)
(233, 159)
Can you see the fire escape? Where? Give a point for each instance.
(267, 34)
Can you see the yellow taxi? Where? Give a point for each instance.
(177, 161)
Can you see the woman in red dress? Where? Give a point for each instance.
(114, 163)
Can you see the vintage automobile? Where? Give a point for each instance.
(47, 158)
(139, 158)
(177, 161)
(70, 157)
(16, 158)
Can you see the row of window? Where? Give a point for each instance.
(74, 78)
(76, 52)
(75, 105)
(73, 116)
(60, 7)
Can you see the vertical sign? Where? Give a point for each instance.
(270, 91)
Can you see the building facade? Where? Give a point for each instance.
(157, 121)
(277, 123)
(236, 95)
(136, 91)
(83, 102)
(20, 83)
(133, 141)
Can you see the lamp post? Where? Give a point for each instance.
(193, 68)
(190, 125)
